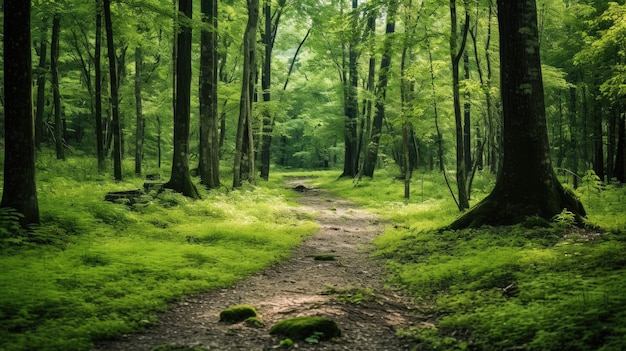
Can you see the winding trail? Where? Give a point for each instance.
(297, 287)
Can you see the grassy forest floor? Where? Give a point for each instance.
(97, 270)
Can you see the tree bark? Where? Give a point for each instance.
(242, 150)
(371, 156)
(266, 80)
(180, 179)
(620, 155)
(597, 141)
(527, 184)
(20, 190)
(351, 111)
(138, 111)
(467, 121)
(56, 95)
(98, 88)
(456, 52)
(41, 87)
(117, 137)
(209, 118)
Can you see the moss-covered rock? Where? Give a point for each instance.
(301, 328)
(236, 314)
(255, 322)
(174, 347)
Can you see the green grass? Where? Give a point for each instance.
(507, 288)
(97, 270)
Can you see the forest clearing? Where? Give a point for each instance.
(320, 174)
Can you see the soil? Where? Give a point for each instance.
(332, 274)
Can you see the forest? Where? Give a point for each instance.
(151, 150)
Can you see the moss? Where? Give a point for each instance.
(255, 322)
(300, 328)
(175, 347)
(536, 222)
(324, 257)
(236, 314)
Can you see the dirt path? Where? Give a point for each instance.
(297, 287)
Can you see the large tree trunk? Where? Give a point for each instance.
(56, 95)
(98, 88)
(20, 190)
(180, 179)
(351, 109)
(527, 184)
(138, 111)
(371, 156)
(117, 137)
(242, 150)
(209, 118)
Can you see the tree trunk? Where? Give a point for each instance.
(139, 111)
(455, 54)
(98, 88)
(56, 96)
(527, 184)
(117, 138)
(573, 123)
(366, 124)
(597, 141)
(351, 111)
(41, 88)
(611, 146)
(19, 186)
(467, 124)
(180, 179)
(371, 155)
(620, 157)
(266, 79)
(245, 104)
(209, 118)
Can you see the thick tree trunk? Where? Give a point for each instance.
(209, 118)
(371, 155)
(19, 186)
(138, 111)
(98, 88)
(527, 184)
(115, 109)
(180, 179)
(56, 95)
(242, 150)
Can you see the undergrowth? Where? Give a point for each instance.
(526, 287)
(97, 270)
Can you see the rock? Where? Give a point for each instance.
(301, 328)
(236, 314)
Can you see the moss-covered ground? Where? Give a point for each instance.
(522, 287)
(96, 270)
